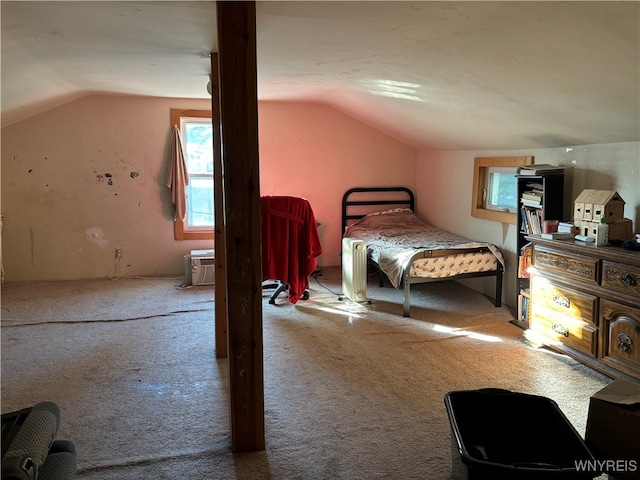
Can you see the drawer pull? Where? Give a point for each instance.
(624, 342)
(564, 331)
(628, 280)
(561, 300)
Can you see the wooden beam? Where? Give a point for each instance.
(221, 319)
(239, 121)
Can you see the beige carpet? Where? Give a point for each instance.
(352, 391)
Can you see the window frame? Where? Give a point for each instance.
(489, 189)
(181, 230)
(481, 168)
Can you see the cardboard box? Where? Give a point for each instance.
(621, 229)
(613, 429)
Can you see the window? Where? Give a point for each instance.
(495, 188)
(500, 189)
(197, 139)
(197, 144)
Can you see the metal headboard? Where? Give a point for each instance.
(405, 198)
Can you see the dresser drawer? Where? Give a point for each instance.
(574, 333)
(566, 264)
(563, 300)
(620, 337)
(621, 278)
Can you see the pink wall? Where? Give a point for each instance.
(62, 219)
(316, 152)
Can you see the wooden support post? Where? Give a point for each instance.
(239, 121)
(219, 220)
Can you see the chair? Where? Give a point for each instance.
(29, 448)
(290, 246)
(280, 287)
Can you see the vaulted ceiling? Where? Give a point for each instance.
(436, 75)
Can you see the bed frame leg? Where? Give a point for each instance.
(497, 301)
(407, 297)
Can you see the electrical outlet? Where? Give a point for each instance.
(118, 253)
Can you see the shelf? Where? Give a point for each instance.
(550, 189)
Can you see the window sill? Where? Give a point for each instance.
(182, 234)
(494, 215)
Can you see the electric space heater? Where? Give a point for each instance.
(354, 269)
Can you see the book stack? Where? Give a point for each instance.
(565, 231)
(532, 198)
(531, 205)
(539, 169)
(557, 235)
(565, 227)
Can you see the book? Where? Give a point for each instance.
(557, 235)
(525, 224)
(530, 203)
(536, 222)
(524, 261)
(565, 227)
(523, 301)
(532, 196)
(538, 169)
(533, 221)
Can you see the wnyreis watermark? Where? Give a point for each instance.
(607, 466)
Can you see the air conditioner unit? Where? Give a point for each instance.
(354, 269)
(200, 268)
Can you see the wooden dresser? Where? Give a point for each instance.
(585, 301)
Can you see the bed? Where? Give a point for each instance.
(409, 251)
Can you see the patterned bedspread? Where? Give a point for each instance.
(393, 237)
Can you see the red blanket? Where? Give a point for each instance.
(290, 242)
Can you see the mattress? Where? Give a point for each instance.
(395, 237)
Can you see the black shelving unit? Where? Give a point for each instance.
(549, 188)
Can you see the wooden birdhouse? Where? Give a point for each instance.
(592, 204)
